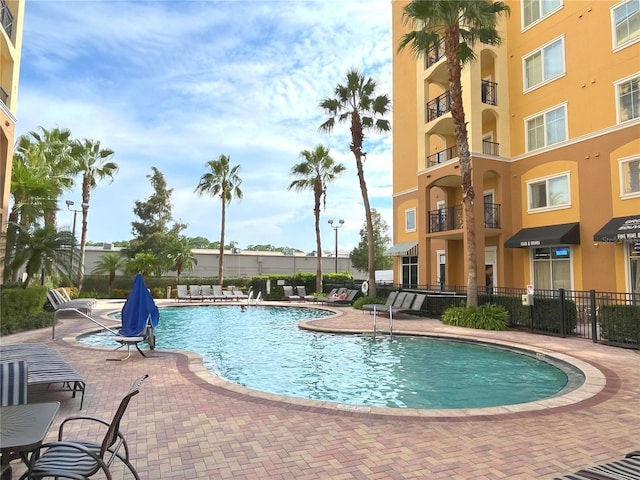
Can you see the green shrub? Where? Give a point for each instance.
(366, 301)
(620, 324)
(485, 317)
(17, 305)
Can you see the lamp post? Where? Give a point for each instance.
(335, 229)
(70, 203)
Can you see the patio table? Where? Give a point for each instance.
(23, 428)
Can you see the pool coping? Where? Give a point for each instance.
(597, 386)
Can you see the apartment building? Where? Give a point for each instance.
(11, 19)
(553, 117)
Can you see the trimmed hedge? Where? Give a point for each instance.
(484, 317)
(620, 324)
(23, 309)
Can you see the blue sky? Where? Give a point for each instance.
(173, 84)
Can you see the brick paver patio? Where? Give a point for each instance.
(188, 424)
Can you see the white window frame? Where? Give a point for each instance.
(546, 179)
(618, 46)
(617, 94)
(544, 80)
(532, 262)
(407, 215)
(544, 114)
(541, 17)
(621, 163)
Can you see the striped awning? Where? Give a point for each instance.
(405, 249)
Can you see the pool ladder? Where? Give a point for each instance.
(375, 316)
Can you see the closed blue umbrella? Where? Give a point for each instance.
(139, 311)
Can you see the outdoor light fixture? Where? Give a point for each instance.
(335, 229)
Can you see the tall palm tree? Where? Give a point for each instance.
(460, 24)
(181, 256)
(95, 165)
(51, 150)
(314, 173)
(222, 181)
(108, 264)
(143, 263)
(356, 103)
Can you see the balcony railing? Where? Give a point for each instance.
(442, 156)
(445, 219)
(490, 148)
(4, 96)
(451, 218)
(438, 106)
(491, 215)
(489, 92)
(436, 52)
(6, 18)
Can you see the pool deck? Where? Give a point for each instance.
(187, 423)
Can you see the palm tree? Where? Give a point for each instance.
(95, 165)
(109, 264)
(222, 181)
(143, 263)
(460, 24)
(51, 150)
(181, 256)
(356, 103)
(314, 173)
(43, 249)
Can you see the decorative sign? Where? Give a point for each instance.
(629, 230)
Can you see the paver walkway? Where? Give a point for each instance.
(185, 424)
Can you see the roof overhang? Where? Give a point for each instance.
(564, 234)
(619, 229)
(403, 250)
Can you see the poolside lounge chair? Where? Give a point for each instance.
(58, 302)
(194, 292)
(380, 307)
(78, 458)
(228, 295)
(343, 299)
(46, 367)
(182, 294)
(301, 291)
(288, 294)
(626, 469)
(240, 295)
(206, 293)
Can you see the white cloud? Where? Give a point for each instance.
(175, 84)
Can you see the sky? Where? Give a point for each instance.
(174, 84)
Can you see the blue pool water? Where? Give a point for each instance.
(264, 349)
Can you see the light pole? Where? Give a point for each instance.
(335, 229)
(70, 203)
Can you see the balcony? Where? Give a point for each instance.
(438, 106)
(6, 18)
(442, 156)
(445, 219)
(452, 218)
(489, 92)
(4, 97)
(436, 52)
(490, 148)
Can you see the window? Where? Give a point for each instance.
(544, 65)
(626, 22)
(628, 93)
(534, 10)
(546, 128)
(630, 176)
(552, 268)
(549, 192)
(410, 220)
(409, 272)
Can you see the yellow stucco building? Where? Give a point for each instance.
(11, 20)
(553, 118)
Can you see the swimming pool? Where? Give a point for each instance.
(263, 349)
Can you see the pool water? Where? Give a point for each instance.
(263, 349)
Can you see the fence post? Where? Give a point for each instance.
(594, 316)
(561, 291)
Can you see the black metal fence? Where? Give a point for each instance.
(603, 317)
